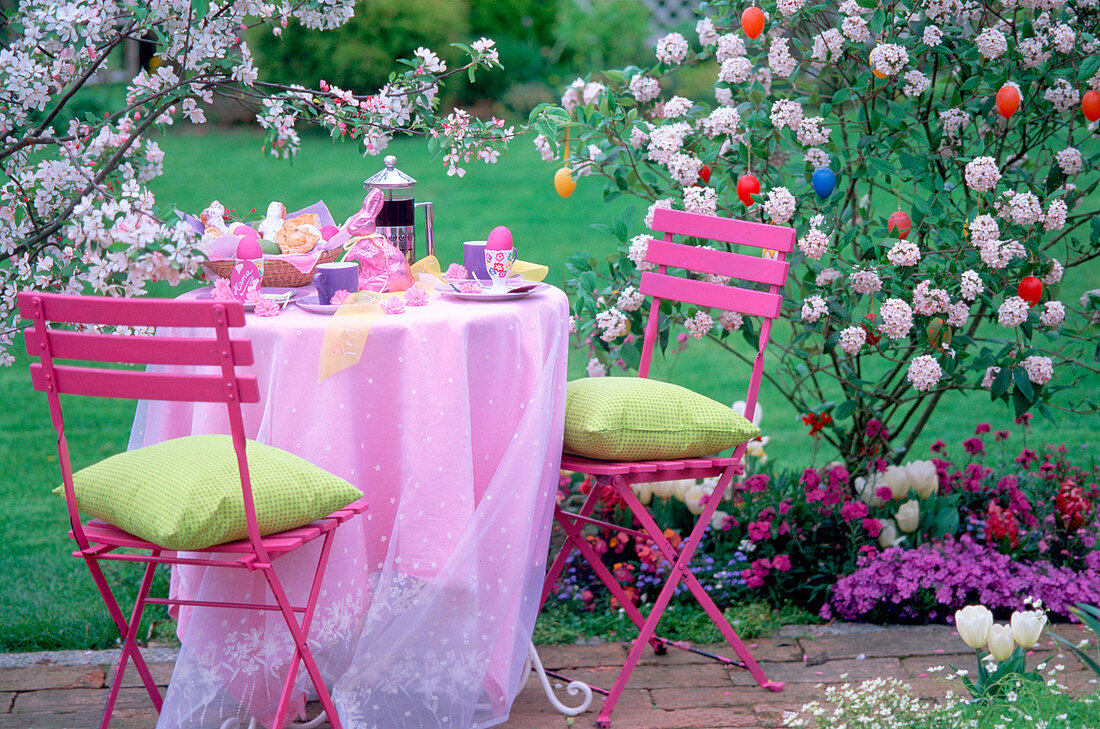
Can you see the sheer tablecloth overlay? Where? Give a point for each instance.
(451, 424)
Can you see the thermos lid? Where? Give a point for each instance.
(389, 178)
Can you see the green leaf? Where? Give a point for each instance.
(947, 522)
(845, 409)
(1023, 384)
(1055, 178)
(1001, 383)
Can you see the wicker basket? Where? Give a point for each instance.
(277, 272)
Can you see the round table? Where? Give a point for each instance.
(451, 424)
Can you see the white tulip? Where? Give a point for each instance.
(897, 480)
(757, 413)
(680, 488)
(923, 478)
(662, 489)
(1027, 626)
(974, 623)
(866, 488)
(692, 499)
(644, 492)
(888, 536)
(1001, 644)
(908, 516)
(718, 520)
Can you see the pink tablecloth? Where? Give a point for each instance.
(451, 424)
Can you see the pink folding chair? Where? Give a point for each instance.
(770, 272)
(219, 357)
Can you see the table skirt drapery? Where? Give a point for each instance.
(451, 424)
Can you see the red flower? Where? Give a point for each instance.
(817, 422)
(873, 527)
(1001, 524)
(1073, 505)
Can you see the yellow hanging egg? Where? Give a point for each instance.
(564, 183)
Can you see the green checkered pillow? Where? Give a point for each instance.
(637, 419)
(186, 493)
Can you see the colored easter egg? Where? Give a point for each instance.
(244, 231)
(1090, 105)
(1030, 289)
(704, 174)
(878, 73)
(224, 246)
(328, 231)
(249, 248)
(747, 186)
(1008, 100)
(270, 247)
(752, 21)
(824, 182)
(500, 239)
(564, 183)
(898, 223)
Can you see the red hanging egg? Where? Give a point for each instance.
(898, 223)
(1090, 105)
(704, 174)
(1008, 100)
(747, 186)
(1030, 289)
(869, 327)
(752, 21)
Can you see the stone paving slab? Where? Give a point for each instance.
(903, 641)
(833, 671)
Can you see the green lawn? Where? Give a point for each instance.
(49, 601)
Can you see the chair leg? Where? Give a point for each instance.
(128, 631)
(560, 515)
(682, 561)
(299, 633)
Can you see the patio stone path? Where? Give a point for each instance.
(678, 691)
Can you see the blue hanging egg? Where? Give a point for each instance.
(824, 182)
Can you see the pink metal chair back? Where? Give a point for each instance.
(760, 274)
(94, 373)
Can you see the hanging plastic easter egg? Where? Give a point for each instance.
(704, 174)
(1030, 289)
(898, 224)
(824, 182)
(1008, 100)
(752, 21)
(1090, 105)
(564, 183)
(878, 73)
(747, 186)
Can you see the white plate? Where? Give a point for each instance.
(489, 295)
(313, 305)
(270, 292)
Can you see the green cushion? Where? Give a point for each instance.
(637, 419)
(186, 493)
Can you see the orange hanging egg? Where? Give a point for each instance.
(1090, 105)
(752, 21)
(899, 224)
(1008, 100)
(878, 73)
(564, 183)
(704, 173)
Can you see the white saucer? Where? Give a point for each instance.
(313, 305)
(490, 295)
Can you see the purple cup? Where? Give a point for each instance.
(328, 278)
(473, 260)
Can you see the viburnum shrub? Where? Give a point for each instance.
(75, 210)
(937, 161)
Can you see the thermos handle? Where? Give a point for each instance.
(429, 233)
